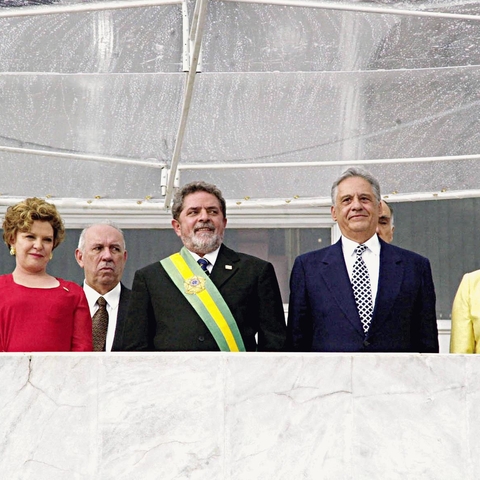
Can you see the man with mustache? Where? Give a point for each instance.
(102, 255)
(361, 294)
(207, 296)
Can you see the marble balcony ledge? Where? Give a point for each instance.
(239, 416)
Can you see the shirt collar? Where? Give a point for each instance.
(349, 246)
(211, 257)
(112, 297)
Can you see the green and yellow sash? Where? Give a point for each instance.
(205, 298)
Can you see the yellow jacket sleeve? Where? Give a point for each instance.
(466, 315)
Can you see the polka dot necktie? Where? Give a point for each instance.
(203, 262)
(362, 289)
(100, 326)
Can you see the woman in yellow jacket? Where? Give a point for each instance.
(465, 336)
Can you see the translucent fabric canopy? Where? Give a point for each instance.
(112, 104)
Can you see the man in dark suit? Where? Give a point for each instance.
(231, 303)
(102, 254)
(361, 294)
(386, 223)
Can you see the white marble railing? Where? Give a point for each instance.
(239, 416)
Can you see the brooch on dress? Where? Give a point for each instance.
(194, 285)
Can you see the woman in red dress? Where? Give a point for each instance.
(38, 312)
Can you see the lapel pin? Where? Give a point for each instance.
(228, 267)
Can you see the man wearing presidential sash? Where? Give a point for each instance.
(207, 296)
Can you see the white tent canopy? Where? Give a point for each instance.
(108, 105)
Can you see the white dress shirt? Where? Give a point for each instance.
(211, 257)
(371, 257)
(113, 299)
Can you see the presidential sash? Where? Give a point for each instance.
(205, 298)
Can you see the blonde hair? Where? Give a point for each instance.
(20, 218)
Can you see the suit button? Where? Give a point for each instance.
(201, 338)
(366, 343)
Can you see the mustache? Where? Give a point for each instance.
(200, 225)
(107, 264)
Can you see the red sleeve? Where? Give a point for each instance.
(82, 325)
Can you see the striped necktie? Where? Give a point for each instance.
(203, 262)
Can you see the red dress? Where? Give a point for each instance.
(44, 319)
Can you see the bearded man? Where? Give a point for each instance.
(207, 296)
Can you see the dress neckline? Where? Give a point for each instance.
(34, 288)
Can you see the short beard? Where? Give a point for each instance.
(202, 245)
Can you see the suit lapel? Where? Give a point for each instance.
(335, 275)
(121, 314)
(225, 267)
(389, 282)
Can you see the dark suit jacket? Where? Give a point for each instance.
(323, 316)
(160, 318)
(121, 317)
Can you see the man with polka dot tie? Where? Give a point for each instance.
(361, 294)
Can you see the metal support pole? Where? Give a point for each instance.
(82, 7)
(196, 33)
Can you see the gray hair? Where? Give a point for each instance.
(356, 172)
(193, 187)
(81, 240)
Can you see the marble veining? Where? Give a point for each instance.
(239, 416)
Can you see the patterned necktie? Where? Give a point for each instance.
(100, 325)
(362, 289)
(203, 262)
